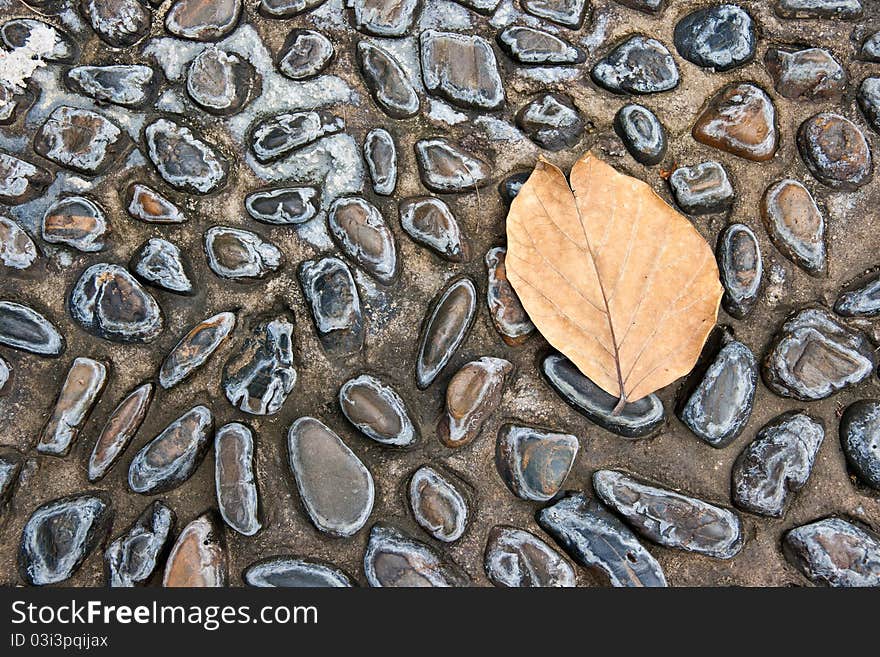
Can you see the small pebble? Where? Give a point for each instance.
(863, 301)
(21, 181)
(198, 558)
(835, 151)
(445, 327)
(81, 140)
(810, 74)
(860, 437)
(182, 159)
(377, 411)
(462, 69)
(795, 225)
(517, 558)
(128, 85)
(869, 101)
(393, 559)
(283, 205)
(741, 269)
(220, 82)
(203, 20)
(446, 168)
(77, 222)
(387, 81)
(305, 54)
(120, 23)
(834, 552)
(380, 153)
(240, 254)
(640, 65)
(330, 291)
(721, 37)
(235, 479)
(472, 396)
(567, 13)
(293, 572)
(17, 249)
(552, 121)
(132, 558)
(161, 264)
(195, 348)
(429, 222)
(505, 308)
(361, 233)
(741, 120)
(24, 328)
(531, 46)
(384, 18)
(148, 205)
(838, 9)
(534, 463)
(439, 503)
(119, 429)
(280, 135)
(702, 188)
(642, 133)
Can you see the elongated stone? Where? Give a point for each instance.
(446, 167)
(333, 298)
(240, 254)
(642, 133)
(598, 540)
(721, 37)
(195, 348)
(173, 456)
(862, 301)
(868, 98)
(377, 411)
(719, 407)
(83, 385)
(258, 378)
(305, 54)
(120, 428)
(534, 463)
(183, 160)
(21, 181)
(393, 559)
(108, 302)
(359, 230)
(120, 23)
(807, 75)
(236, 484)
(16, 32)
(277, 137)
(160, 263)
(445, 327)
(860, 438)
(813, 356)
(294, 572)
(17, 249)
(517, 558)
(531, 46)
(220, 82)
(740, 119)
(638, 419)
(462, 69)
(388, 83)
(380, 154)
(203, 20)
(77, 222)
(640, 65)
(60, 535)
(81, 140)
(567, 13)
(384, 18)
(795, 225)
(439, 503)
(473, 394)
(283, 205)
(702, 189)
(334, 485)
(552, 121)
(839, 9)
(670, 518)
(835, 151)
(10, 469)
(128, 85)
(741, 269)
(287, 8)
(505, 309)
(24, 328)
(132, 558)
(777, 464)
(198, 558)
(429, 222)
(148, 205)
(835, 552)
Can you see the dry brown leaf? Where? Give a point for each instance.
(612, 276)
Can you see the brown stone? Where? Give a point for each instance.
(740, 120)
(198, 558)
(203, 20)
(505, 308)
(835, 151)
(809, 74)
(120, 428)
(795, 225)
(473, 394)
(84, 383)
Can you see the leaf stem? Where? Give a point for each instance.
(620, 404)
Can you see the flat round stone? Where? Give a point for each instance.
(531, 46)
(862, 301)
(721, 37)
(703, 188)
(377, 411)
(330, 291)
(108, 302)
(240, 254)
(567, 13)
(17, 249)
(472, 396)
(776, 464)
(77, 222)
(118, 430)
(198, 558)
(860, 437)
(429, 222)
(294, 572)
(813, 356)
(132, 558)
(517, 558)
(160, 263)
(380, 154)
(639, 65)
(120, 23)
(220, 82)
(79, 393)
(505, 309)
(171, 458)
(81, 140)
(128, 85)
(741, 269)
(534, 463)
(446, 325)
(235, 480)
(305, 54)
(552, 121)
(439, 503)
(638, 419)
(795, 225)
(446, 167)
(642, 133)
(195, 348)
(283, 205)
(359, 230)
(835, 151)
(810, 74)
(835, 552)
(183, 160)
(148, 205)
(670, 518)
(335, 487)
(741, 120)
(203, 20)
(462, 69)
(388, 83)
(24, 328)
(60, 535)
(393, 559)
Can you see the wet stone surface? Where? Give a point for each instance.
(283, 205)
(129, 85)
(869, 101)
(508, 315)
(148, 205)
(446, 167)
(22, 327)
(387, 81)
(195, 348)
(305, 54)
(377, 410)
(567, 13)
(81, 140)
(359, 230)
(237, 494)
(741, 269)
(17, 249)
(531, 46)
(517, 558)
(534, 462)
(447, 323)
(202, 20)
(861, 301)
(219, 82)
(21, 180)
(394, 559)
(860, 438)
(439, 503)
(240, 254)
(77, 222)
(198, 558)
(740, 119)
(120, 428)
(473, 394)
(703, 188)
(640, 65)
(835, 552)
(278, 136)
(120, 23)
(182, 159)
(132, 558)
(461, 69)
(808, 75)
(380, 153)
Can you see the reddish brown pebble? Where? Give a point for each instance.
(473, 394)
(198, 558)
(740, 120)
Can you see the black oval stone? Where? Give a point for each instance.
(741, 269)
(294, 572)
(720, 38)
(333, 298)
(642, 133)
(24, 328)
(860, 438)
(445, 327)
(283, 205)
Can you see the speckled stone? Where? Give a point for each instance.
(445, 327)
(598, 540)
(741, 269)
(835, 552)
(721, 37)
(22, 327)
(393, 559)
(132, 558)
(552, 121)
(17, 249)
(517, 558)
(640, 65)
(79, 393)
(198, 558)
(294, 572)
(445, 167)
(472, 396)
(670, 518)
(534, 463)
(195, 348)
(777, 464)
(810, 74)
(335, 487)
(235, 480)
(377, 411)
(361, 233)
(703, 188)
(642, 133)
(81, 140)
(305, 54)
(429, 221)
(860, 438)
(813, 356)
(741, 120)
(120, 427)
(439, 502)
(462, 69)
(835, 151)
(795, 225)
(330, 291)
